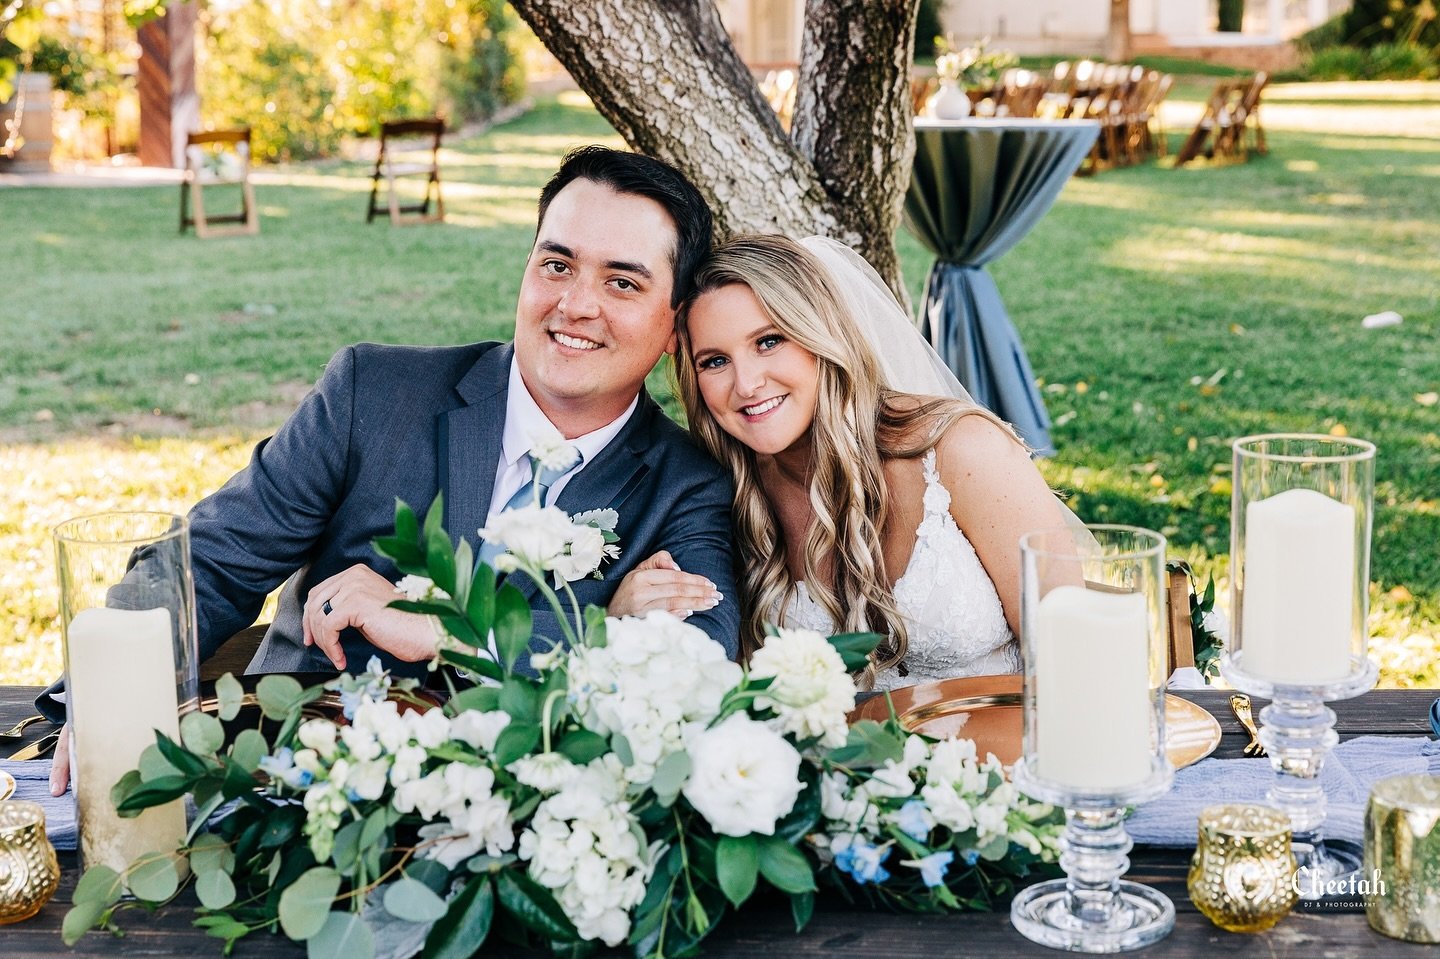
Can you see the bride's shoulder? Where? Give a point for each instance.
(975, 442)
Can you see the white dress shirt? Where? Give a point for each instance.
(523, 419)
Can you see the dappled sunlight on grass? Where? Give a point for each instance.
(43, 485)
(1235, 252)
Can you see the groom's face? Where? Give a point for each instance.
(594, 313)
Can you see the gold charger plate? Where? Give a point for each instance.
(7, 785)
(988, 710)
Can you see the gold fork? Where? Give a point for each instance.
(17, 730)
(1240, 706)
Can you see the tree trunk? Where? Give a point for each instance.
(666, 76)
(1117, 38)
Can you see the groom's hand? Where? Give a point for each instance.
(361, 597)
(659, 583)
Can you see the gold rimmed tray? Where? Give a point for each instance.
(988, 709)
(7, 785)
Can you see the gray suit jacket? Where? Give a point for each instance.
(409, 422)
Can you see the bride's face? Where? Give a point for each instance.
(760, 387)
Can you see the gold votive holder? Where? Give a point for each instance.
(29, 872)
(1402, 858)
(1242, 874)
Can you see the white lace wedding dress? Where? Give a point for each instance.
(954, 618)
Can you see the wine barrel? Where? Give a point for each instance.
(33, 89)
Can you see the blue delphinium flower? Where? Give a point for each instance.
(933, 867)
(373, 684)
(914, 820)
(863, 861)
(971, 856)
(282, 766)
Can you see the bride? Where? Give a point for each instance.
(872, 494)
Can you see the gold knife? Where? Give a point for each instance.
(35, 750)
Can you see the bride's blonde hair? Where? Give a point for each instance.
(858, 424)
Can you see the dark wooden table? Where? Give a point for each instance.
(836, 930)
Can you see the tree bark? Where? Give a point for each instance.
(1117, 37)
(667, 77)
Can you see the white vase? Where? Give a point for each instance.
(950, 102)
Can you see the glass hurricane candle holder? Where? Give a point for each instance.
(1300, 526)
(1092, 624)
(1241, 874)
(127, 607)
(29, 872)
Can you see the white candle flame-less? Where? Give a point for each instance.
(121, 690)
(1297, 609)
(1093, 709)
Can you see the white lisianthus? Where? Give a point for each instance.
(420, 589)
(744, 778)
(549, 449)
(583, 557)
(655, 679)
(812, 691)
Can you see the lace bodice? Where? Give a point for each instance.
(953, 615)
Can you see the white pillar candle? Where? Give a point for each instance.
(121, 690)
(1093, 709)
(1299, 588)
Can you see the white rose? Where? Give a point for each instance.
(744, 777)
(535, 534)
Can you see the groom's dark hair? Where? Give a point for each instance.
(640, 175)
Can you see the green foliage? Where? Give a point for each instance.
(1385, 61)
(1369, 23)
(302, 75)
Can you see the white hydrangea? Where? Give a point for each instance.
(744, 777)
(584, 845)
(654, 680)
(812, 691)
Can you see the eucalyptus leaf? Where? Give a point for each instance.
(215, 889)
(99, 884)
(305, 903)
(250, 747)
(211, 853)
(670, 776)
(343, 935)
(430, 872)
(153, 877)
(277, 694)
(201, 733)
(80, 920)
(620, 746)
(373, 829)
(413, 901)
(230, 694)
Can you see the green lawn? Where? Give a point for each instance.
(1166, 312)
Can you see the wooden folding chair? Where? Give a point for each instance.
(1232, 108)
(387, 167)
(211, 159)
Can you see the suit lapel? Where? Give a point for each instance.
(470, 438)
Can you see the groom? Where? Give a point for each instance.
(618, 239)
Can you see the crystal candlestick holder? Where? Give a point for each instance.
(1300, 526)
(1092, 623)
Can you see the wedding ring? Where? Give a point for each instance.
(326, 608)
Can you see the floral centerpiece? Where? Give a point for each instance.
(975, 67)
(633, 791)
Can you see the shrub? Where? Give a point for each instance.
(1389, 61)
(1372, 22)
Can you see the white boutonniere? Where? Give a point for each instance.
(550, 450)
(546, 538)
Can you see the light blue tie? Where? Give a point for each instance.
(536, 490)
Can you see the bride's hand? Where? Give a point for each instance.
(659, 583)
